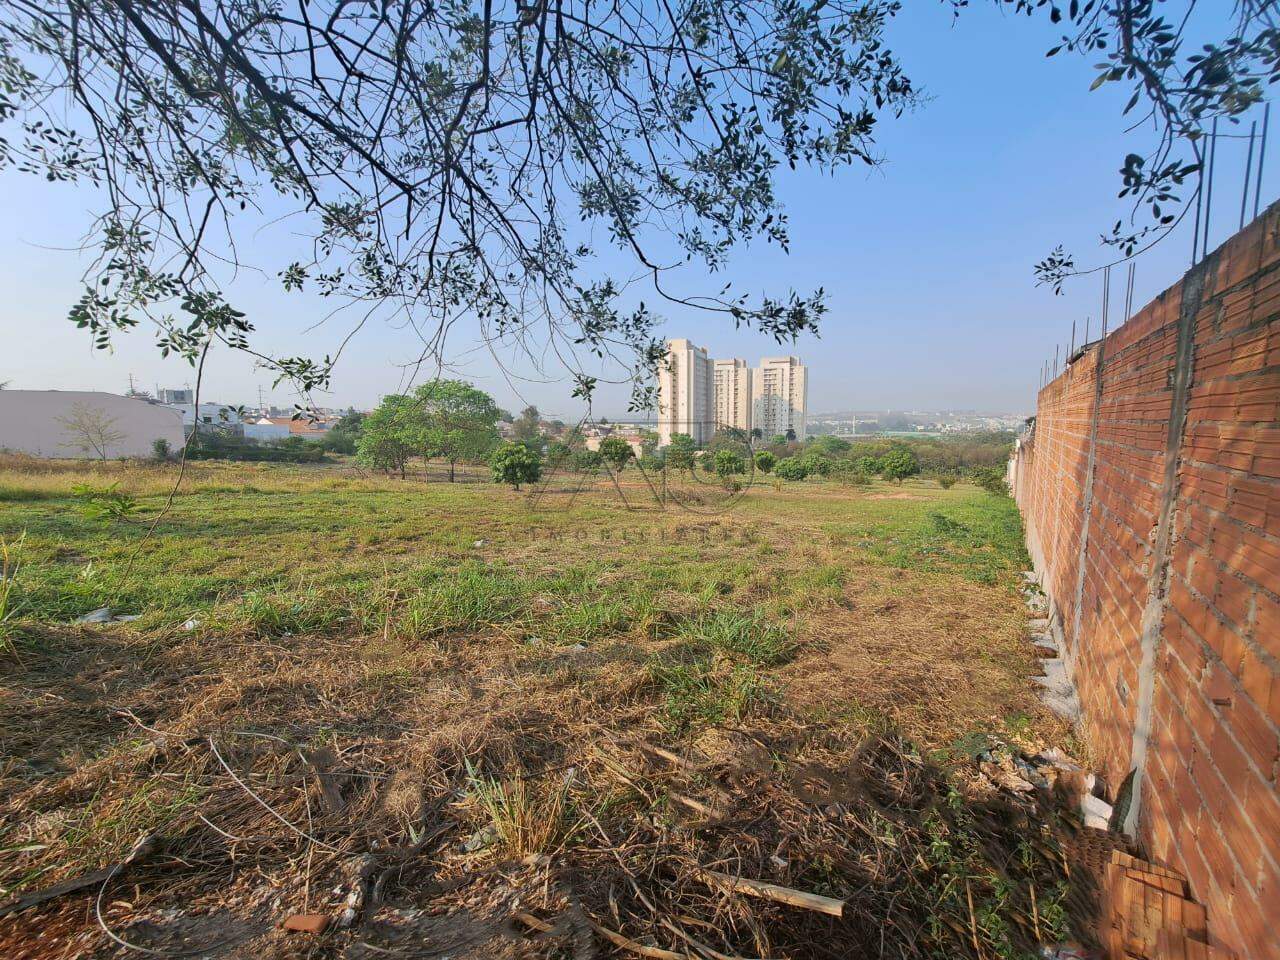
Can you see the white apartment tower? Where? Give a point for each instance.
(733, 394)
(686, 393)
(779, 397)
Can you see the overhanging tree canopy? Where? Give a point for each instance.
(457, 158)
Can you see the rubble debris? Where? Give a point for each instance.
(1150, 916)
(1097, 813)
(1069, 951)
(315, 923)
(104, 615)
(361, 872)
(1059, 693)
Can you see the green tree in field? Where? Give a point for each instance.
(559, 452)
(765, 461)
(869, 465)
(527, 428)
(831, 446)
(728, 464)
(730, 438)
(791, 468)
(515, 463)
(898, 464)
(648, 443)
(391, 435)
(459, 423)
(344, 436)
(846, 471)
(680, 451)
(816, 464)
(616, 452)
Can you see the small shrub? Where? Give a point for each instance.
(765, 461)
(847, 471)
(586, 460)
(160, 450)
(816, 464)
(947, 480)
(104, 503)
(991, 479)
(729, 463)
(791, 468)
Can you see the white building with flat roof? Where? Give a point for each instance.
(211, 414)
(84, 424)
(686, 393)
(733, 394)
(780, 397)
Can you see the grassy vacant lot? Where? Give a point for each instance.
(325, 665)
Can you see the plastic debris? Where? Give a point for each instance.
(480, 839)
(1097, 813)
(1068, 951)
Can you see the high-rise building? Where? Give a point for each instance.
(733, 394)
(779, 397)
(686, 393)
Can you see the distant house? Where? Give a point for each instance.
(596, 435)
(301, 427)
(211, 414)
(84, 424)
(265, 430)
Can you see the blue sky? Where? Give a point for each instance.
(926, 260)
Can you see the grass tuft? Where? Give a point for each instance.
(524, 819)
(747, 636)
(11, 553)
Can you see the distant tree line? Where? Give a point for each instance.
(978, 457)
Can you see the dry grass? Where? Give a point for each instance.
(381, 671)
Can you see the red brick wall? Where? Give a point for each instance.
(1150, 487)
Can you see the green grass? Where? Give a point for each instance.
(273, 551)
(471, 647)
(744, 636)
